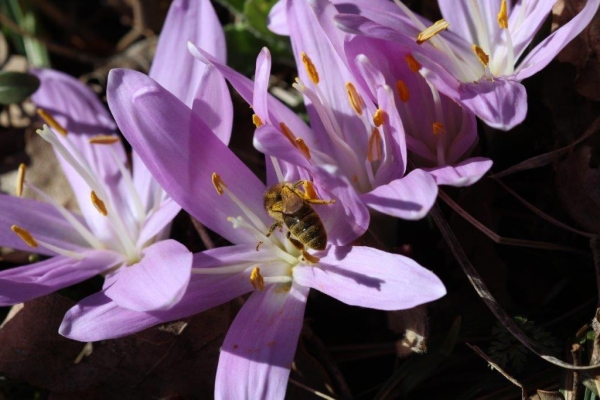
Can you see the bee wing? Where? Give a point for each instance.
(291, 201)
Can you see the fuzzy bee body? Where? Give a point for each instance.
(289, 206)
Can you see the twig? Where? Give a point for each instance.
(481, 354)
(203, 233)
(487, 297)
(311, 390)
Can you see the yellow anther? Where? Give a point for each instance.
(354, 98)
(287, 133)
(104, 139)
(378, 117)
(412, 63)
(48, 119)
(503, 16)
(20, 179)
(310, 68)
(218, 183)
(309, 190)
(439, 129)
(25, 236)
(99, 204)
(257, 121)
(433, 30)
(375, 144)
(402, 90)
(484, 58)
(256, 279)
(301, 145)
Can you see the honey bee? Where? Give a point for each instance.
(289, 205)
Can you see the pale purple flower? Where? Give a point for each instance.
(214, 186)
(439, 133)
(125, 216)
(483, 55)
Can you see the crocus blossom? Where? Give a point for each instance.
(125, 216)
(215, 187)
(439, 133)
(477, 55)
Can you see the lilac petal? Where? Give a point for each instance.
(277, 19)
(173, 67)
(409, 198)
(544, 52)
(41, 220)
(183, 153)
(262, 74)
(160, 218)
(524, 24)
(144, 183)
(30, 281)
(259, 348)
(98, 318)
(157, 281)
(367, 277)
(212, 103)
(462, 174)
(501, 104)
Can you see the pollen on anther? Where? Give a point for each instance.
(256, 279)
(218, 183)
(483, 57)
(378, 117)
(402, 90)
(412, 63)
(439, 129)
(301, 145)
(354, 98)
(287, 133)
(374, 152)
(433, 30)
(20, 179)
(104, 139)
(310, 68)
(309, 190)
(99, 204)
(48, 119)
(503, 16)
(257, 121)
(25, 236)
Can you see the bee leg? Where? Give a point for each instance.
(309, 257)
(309, 195)
(258, 245)
(297, 244)
(272, 228)
(306, 255)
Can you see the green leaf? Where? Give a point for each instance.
(256, 12)
(16, 86)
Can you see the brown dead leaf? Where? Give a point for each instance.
(414, 326)
(151, 364)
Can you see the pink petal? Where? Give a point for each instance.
(409, 198)
(173, 67)
(366, 277)
(158, 221)
(462, 174)
(157, 281)
(97, 317)
(259, 348)
(20, 284)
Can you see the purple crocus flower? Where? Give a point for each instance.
(214, 186)
(125, 216)
(439, 133)
(481, 58)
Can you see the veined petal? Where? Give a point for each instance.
(259, 348)
(173, 67)
(158, 220)
(410, 197)
(41, 220)
(98, 318)
(169, 138)
(212, 103)
(544, 52)
(157, 281)
(366, 277)
(20, 284)
(462, 174)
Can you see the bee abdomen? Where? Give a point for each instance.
(307, 227)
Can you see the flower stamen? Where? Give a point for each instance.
(20, 179)
(354, 98)
(503, 16)
(25, 236)
(257, 121)
(48, 119)
(378, 117)
(412, 63)
(256, 279)
(301, 145)
(218, 183)
(481, 55)
(99, 204)
(433, 30)
(310, 68)
(287, 132)
(402, 90)
(375, 144)
(104, 139)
